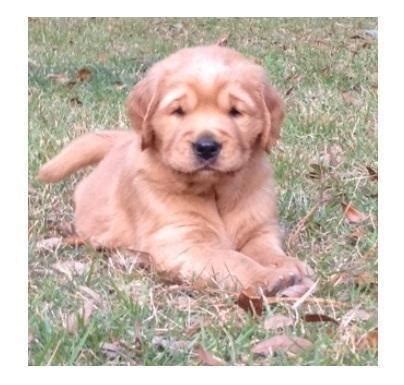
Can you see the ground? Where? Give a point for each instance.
(89, 307)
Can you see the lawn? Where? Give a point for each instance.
(88, 307)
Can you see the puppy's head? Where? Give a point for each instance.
(206, 109)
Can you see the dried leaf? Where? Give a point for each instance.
(49, 244)
(349, 98)
(351, 214)
(361, 280)
(70, 268)
(83, 74)
(250, 301)
(281, 343)
(278, 321)
(368, 341)
(319, 318)
(207, 358)
(365, 280)
(356, 315)
(373, 175)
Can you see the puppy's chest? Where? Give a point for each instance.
(238, 222)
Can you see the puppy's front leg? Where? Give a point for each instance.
(207, 264)
(212, 263)
(264, 247)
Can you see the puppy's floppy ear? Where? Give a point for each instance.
(140, 105)
(274, 114)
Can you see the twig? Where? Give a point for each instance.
(315, 300)
(300, 225)
(305, 295)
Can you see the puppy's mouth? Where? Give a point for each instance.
(208, 165)
(211, 167)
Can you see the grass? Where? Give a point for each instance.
(327, 71)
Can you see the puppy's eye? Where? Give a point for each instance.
(234, 112)
(178, 112)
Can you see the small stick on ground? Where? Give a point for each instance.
(300, 225)
(315, 300)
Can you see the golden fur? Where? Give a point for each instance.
(214, 221)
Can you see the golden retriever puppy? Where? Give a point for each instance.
(191, 185)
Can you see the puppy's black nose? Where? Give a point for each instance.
(206, 148)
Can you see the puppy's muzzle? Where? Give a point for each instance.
(206, 149)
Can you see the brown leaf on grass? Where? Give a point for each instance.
(349, 98)
(281, 343)
(373, 175)
(70, 268)
(362, 280)
(355, 315)
(250, 301)
(351, 214)
(319, 318)
(207, 358)
(278, 321)
(49, 244)
(368, 341)
(83, 74)
(365, 280)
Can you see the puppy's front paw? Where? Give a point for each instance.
(287, 272)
